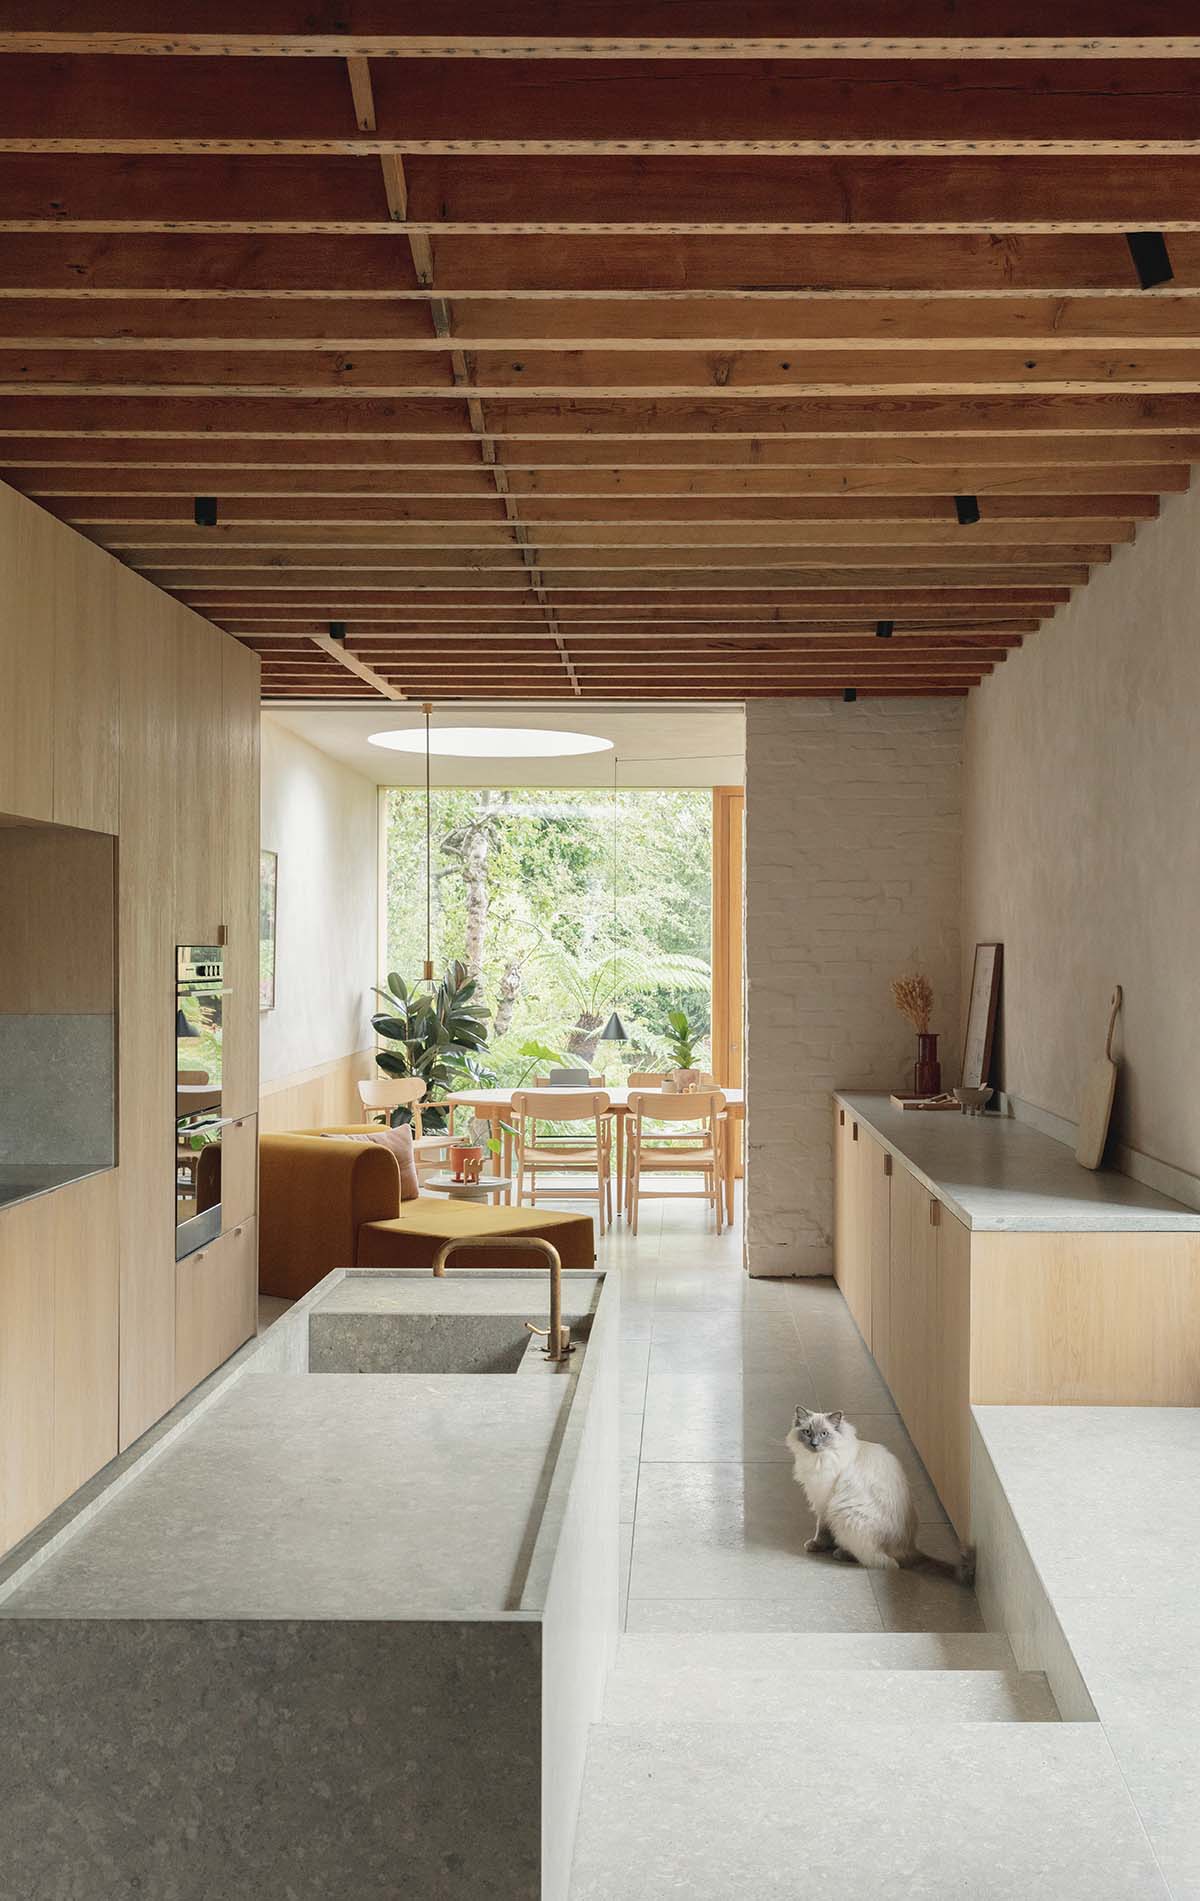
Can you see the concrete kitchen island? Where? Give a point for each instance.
(342, 1627)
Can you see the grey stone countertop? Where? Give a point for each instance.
(338, 1495)
(1106, 1500)
(20, 1181)
(996, 1173)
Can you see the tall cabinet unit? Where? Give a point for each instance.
(123, 713)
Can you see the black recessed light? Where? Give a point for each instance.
(966, 507)
(337, 630)
(204, 511)
(883, 629)
(1151, 258)
(849, 694)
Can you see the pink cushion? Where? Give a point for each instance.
(400, 1141)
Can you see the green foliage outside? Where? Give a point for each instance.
(522, 894)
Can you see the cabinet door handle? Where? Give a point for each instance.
(236, 1232)
(841, 1118)
(887, 1164)
(855, 1131)
(935, 1214)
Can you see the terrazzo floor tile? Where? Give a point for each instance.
(822, 1650)
(752, 1616)
(705, 1416)
(994, 1812)
(770, 1692)
(1161, 1765)
(629, 1486)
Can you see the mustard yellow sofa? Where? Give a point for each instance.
(324, 1205)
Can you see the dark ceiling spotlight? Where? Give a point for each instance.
(337, 630)
(966, 507)
(1151, 258)
(204, 511)
(849, 694)
(883, 629)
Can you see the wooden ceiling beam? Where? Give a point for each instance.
(175, 265)
(593, 495)
(551, 517)
(477, 544)
(728, 323)
(771, 105)
(613, 376)
(875, 598)
(501, 568)
(1003, 633)
(608, 194)
(766, 463)
(336, 650)
(597, 420)
(516, 690)
(600, 29)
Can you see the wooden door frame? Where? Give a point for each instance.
(728, 953)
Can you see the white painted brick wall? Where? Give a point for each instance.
(853, 842)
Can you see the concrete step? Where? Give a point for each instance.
(709, 1693)
(819, 1650)
(864, 1811)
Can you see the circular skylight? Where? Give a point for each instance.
(490, 742)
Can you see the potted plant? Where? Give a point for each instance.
(682, 1036)
(435, 1034)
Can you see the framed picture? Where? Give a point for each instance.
(981, 1015)
(268, 881)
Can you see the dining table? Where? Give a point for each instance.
(495, 1104)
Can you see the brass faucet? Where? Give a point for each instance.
(557, 1335)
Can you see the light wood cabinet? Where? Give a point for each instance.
(58, 1348)
(877, 1204)
(216, 1292)
(913, 1261)
(239, 902)
(198, 783)
(862, 1229)
(146, 930)
(948, 1457)
(239, 1172)
(852, 1227)
(28, 548)
(988, 1316)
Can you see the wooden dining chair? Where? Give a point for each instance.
(378, 1099)
(564, 1132)
(657, 1122)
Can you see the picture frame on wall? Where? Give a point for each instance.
(268, 887)
(981, 1015)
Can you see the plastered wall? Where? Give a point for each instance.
(1082, 840)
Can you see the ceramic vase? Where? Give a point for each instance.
(927, 1071)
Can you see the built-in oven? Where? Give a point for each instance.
(199, 1003)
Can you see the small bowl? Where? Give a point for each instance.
(973, 1101)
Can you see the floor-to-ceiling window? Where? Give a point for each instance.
(523, 892)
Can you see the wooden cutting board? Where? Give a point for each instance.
(1098, 1098)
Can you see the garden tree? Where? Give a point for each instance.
(523, 895)
(471, 844)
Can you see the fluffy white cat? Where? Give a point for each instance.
(860, 1497)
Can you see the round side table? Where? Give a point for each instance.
(482, 1190)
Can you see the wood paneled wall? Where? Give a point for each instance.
(120, 712)
(317, 1098)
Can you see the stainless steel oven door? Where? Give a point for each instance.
(197, 1181)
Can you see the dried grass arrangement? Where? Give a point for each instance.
(913, 997)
